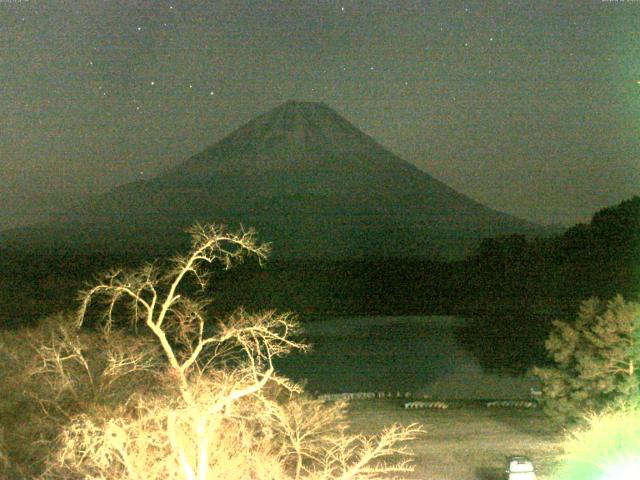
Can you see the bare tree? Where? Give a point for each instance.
(354, 456)
(231, 415)
(169, 311)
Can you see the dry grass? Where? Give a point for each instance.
(465, 442)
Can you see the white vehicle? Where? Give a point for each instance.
(520, 467)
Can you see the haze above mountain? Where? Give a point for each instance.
(306, 179)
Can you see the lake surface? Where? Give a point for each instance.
(406, 354)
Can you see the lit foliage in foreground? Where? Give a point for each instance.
(607, 448)
(52, 372)
(597, 360)
(219, 410)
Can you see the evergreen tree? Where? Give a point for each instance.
(596, 359)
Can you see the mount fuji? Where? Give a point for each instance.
(309, 182)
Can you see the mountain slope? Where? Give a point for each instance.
(309, 181)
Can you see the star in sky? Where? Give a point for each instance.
(201, 69)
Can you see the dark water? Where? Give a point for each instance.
(406, 354)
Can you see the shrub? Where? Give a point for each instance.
(52, 372)
(607, 448)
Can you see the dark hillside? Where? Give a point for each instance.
(516, 287)
(306, 179)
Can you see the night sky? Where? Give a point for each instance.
(532, 108)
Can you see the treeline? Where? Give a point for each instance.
(599, 258)
(517, 287)
(505, 276)
(512, 285)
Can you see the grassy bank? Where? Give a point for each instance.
(466, 441)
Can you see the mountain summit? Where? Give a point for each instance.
(310, 182)
(294, 137)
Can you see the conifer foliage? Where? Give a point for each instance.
(596, 360)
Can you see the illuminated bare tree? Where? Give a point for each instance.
(231, 415)
(169, 312)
